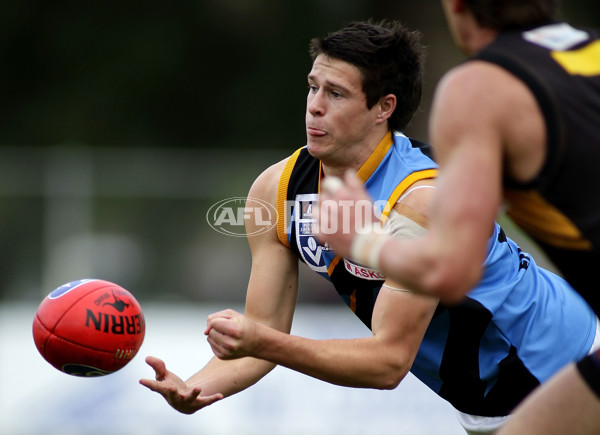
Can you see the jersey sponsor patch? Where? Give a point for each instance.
(363, 272)
(558, 37)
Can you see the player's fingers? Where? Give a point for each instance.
(158, 365)
(193, 394)
(211, 318)
(351, 179)
(226, 326)
(150, 384)
(220, 350)
(353, 182)
(328, 213)
(216, 339)
(155, 386)
(228, 313)
(209, 400)
(357, 189)
(331, 185)
(316, 210)
(210, 327)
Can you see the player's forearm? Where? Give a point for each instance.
(362, 363)
(428, 267)
(229, 377)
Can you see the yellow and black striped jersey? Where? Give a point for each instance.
(560, 209)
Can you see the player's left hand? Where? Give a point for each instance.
(230, 334)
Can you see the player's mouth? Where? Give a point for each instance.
(311, 131)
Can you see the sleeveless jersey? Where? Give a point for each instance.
(560, 209)
(519, 326)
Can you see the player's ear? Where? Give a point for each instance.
(386, 106)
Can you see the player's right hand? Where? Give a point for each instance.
(183, 398)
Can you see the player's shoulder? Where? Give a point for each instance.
(476, 94)
(266, 184)
(477, 79)
(416, 202)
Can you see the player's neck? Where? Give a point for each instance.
(478, 38)
(354, 158)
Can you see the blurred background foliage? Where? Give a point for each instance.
(122, 122)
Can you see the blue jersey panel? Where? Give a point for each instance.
(426, 366)
(401, 160)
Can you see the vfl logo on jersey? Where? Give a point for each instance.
(363, 272)
(316, 256)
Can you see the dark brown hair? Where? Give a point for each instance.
(508, 14)
(390, 58)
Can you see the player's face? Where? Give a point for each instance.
(339, 127)
(448, 8)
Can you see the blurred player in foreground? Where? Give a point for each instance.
(519, 121)
(519, 325)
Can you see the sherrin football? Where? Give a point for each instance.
(89, 327)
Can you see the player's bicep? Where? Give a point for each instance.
(401, 317)
(467, 140)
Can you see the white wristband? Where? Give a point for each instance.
(367, 245)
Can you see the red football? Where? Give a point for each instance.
(89, 327)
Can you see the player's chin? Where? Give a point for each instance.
(316, 148)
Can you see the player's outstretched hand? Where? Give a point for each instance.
(177, 393)
(341, 202)
(230, 334)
